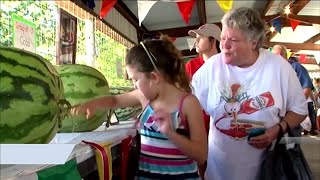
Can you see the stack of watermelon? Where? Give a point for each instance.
(81, 84)
(32, 103)
(124, 114)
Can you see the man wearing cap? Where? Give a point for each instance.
(207, 45)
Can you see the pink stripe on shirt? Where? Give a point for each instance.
(158, 150)
(166, 162)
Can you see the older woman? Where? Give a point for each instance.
(247, 91)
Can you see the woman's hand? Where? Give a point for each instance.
(163, 121)
(263, 141)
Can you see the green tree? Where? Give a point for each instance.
(43, 14)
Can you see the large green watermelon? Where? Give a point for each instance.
(124, 114)
(81, 84)
(31, 98)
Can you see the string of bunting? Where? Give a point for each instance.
(185, 7)
(276, 23)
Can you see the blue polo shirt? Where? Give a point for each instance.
(302, 74)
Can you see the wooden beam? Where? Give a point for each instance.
(297, 46)
(313, 39)
(271, 17)
(298, 5)
(187, 52)
(267, 7)
(201, 4)
(270, 35)
(284, 23)
(304, 19)
(127, 14)
(283, 20)
(178, 32)
(281, 6)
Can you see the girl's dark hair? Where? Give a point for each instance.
(166, 57)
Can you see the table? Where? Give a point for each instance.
(82, 153)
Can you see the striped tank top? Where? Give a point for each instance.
(159, 157)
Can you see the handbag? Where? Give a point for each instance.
(285, 164)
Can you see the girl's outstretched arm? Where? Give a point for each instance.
(196, 146)
(128, 99)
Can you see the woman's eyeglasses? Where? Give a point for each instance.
(151, 57)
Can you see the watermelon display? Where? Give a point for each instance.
(32, 104)
(124, 114)
(81, 84)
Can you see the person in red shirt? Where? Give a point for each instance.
(207, 45)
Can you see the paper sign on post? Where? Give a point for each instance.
(24, 34)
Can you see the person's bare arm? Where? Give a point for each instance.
(196, 147)
(307, 92)
(293, 119)
(129, 99)
(263, 141)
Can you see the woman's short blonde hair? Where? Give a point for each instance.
(248, 21)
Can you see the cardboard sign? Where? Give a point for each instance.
(24, 34)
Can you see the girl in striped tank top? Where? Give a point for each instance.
(173, 136)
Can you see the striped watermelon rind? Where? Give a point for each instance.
(32, 104)
(81, 84)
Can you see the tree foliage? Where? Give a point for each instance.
(43, 14)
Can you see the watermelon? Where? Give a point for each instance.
(32, 104)
(81, 84)
(124, 114)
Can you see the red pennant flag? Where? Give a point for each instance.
(185, 8)
(302, 58)
(294, 23)
(106, 6)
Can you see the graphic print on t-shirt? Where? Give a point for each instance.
(237, 101)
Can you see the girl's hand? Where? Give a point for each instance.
(163, 121)
(88, 109)
(263, 141)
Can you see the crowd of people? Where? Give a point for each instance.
(205, 112)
